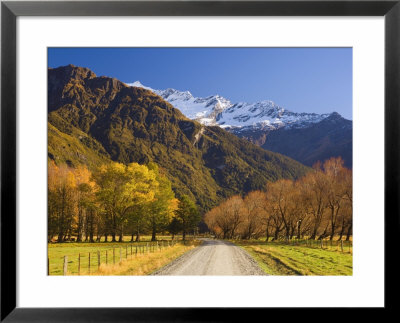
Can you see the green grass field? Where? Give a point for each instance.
(113, 255)
(279, 258)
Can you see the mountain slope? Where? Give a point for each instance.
(131, 124)
(318, 142)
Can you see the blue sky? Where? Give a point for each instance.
(299, 79)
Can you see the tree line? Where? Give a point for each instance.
(114, 200)
(316, 206)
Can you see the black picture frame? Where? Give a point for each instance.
(10, 10)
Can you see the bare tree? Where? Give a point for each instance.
(253, 214)
(314, 190)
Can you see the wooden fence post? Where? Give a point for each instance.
(341, 245)
(79, 264)
(321, 244)
(126, 252)
(65, 271)
(98, 260)
(106, 257)
(89, 263)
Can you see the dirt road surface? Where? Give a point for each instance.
(213, 257)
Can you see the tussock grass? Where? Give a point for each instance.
(147, 263)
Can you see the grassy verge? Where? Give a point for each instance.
(278, 258)
(115, 258)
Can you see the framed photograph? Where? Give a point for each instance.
(184, 160)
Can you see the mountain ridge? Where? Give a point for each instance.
(269, 126)
(263, 114)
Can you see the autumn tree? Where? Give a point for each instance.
(217, 219)
(121, 189)
(348, 210)
(316, 205)
(52, 204)
(314, 190)
(137, 221)
(336, 191)
(212, 218)
(227, 217)
(285, 199)
(161, 209)
(174, 227)
(254, 212)
(235, 208)
(91, 222)
(61, 206)
(273, 219)
(84, 194)
(188, 214)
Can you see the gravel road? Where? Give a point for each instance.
(213, 257)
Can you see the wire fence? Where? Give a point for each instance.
(89, 262)
(336, 245)
(332, 245)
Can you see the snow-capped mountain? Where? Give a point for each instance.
(217, 110)
(306, 137)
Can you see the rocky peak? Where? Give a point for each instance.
(71, 72)
(80, 87)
